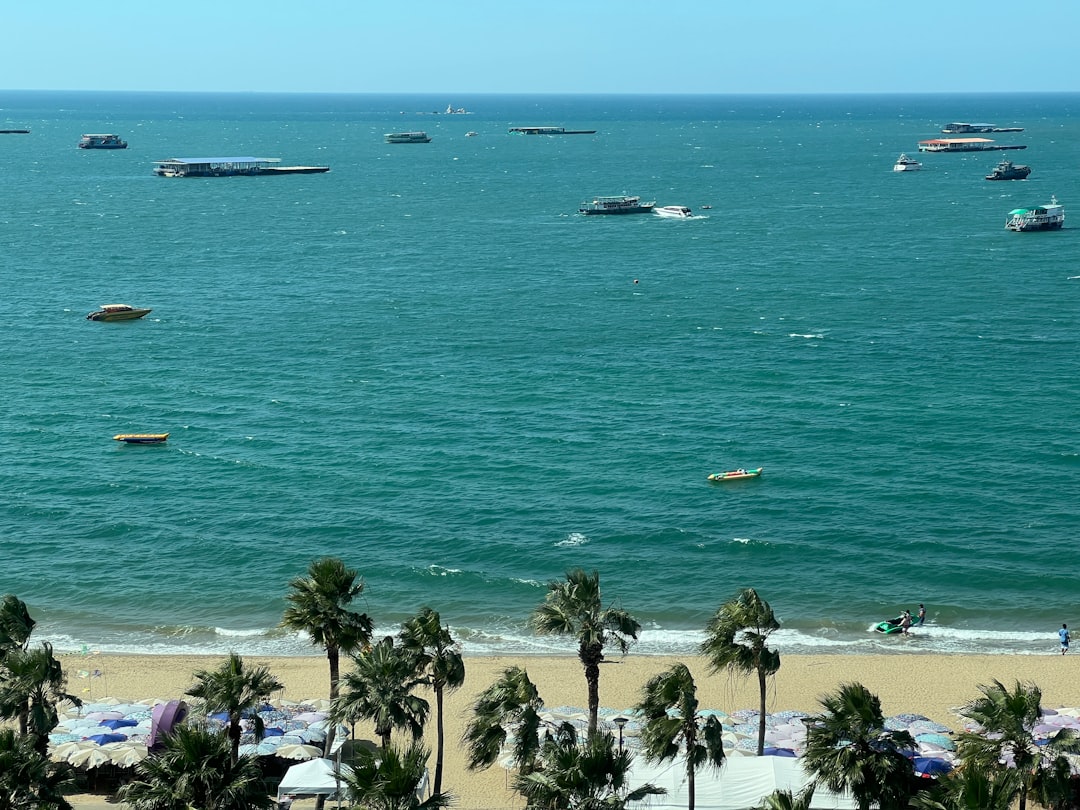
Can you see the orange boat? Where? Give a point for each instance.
(736, 475)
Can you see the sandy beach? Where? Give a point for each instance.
(931, 685)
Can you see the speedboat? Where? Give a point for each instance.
(674, 211)
(906, 164)
(141, 438)
(736, 475)
(117, 312)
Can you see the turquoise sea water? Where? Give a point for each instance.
(426, 363)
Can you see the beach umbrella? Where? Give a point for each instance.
(297, 752)
(102, 739)
(104, 715)
(773, 751)
(1045, 729)
(88, 758)
(929, 767)
(310, 717)
(66, 749)
(940, 740)
(128, 756)
(928, 727)
(119, 722)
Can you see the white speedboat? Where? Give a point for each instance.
(673, 211)
(906, 164)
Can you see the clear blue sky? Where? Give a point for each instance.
(456, 47)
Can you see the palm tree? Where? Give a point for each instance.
(438, 656)
(32, 682)
(670, 721)
(28, 780)
(849, 748)
(1007, 720)
(389, 779)
(736, 639)
(581, 776)
(238, 691)
(970, 788)
(319, 606)
(196, 769)
(787, 800)
(510, 704)
(573, 608)
(380, 689)
(15, 624)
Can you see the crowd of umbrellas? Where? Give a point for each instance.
(111, 732)
(785, 734)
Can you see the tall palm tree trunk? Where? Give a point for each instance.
(333, 656)
(761, 712)
(592, 677)
(439, 733)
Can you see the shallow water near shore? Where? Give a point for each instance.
(426, 363)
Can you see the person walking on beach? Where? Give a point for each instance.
(1063, 634)
(922, 614)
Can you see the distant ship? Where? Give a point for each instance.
(101, 142)
(1007, 170)
(961, 128)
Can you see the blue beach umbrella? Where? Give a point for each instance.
(929, 767)
(102, 739)
(939, 740)
(777, 752)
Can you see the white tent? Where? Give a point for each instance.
(319, 777)
(742, 783)
(312, 778)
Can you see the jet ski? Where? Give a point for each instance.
(890, 626)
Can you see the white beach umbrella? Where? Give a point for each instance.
(297, 751)
(128, 755)
(65, 750)
(87, 758)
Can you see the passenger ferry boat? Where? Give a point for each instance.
(1049, 217)
(1007, 170)
(906, 164)
(101, 142)
(674, 212)
(617, 205)
(407, 137)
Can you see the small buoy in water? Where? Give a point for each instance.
(635, 281)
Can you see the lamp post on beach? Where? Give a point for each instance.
(620, 722)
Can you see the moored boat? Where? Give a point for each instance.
(906, 164)
(1007, 170)
(962, 128)
(117, 312)
(549, 131)
(230, 167)
(964, 145)
(736, 475)
(674, 211)
(1049, 217)
(101, 142)
(407, 137)
(621, 204)
(141, 438)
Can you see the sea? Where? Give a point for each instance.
(427, 363)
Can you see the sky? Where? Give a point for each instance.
(468, 47)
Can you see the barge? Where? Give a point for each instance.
(550, 131)
(964, 145)
(407, 137)
(963, 128)
(229, 167)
